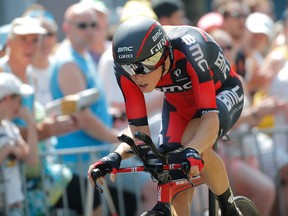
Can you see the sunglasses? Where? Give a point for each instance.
(50, 34)
(84, 25)
(235, 15)
(148, 65)
(227, 47)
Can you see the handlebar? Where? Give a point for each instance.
(162, 177)
(145, 152)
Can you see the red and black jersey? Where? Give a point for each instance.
(199, 70)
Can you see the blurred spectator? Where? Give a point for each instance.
(260, 32)
(210, 21)
(100, 43)
(12, 146)
(278, 88)
(75, 71)
(4, 30)
(261, 6)
(169, 12)
(22, 43)
(225, 42)
(234, 16)
(43, 60)
(44, 194)
(281, 40)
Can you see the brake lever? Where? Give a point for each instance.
(186, 169)
(97, 173)
(98, 188)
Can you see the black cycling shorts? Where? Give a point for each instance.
(229, 100)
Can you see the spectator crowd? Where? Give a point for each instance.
(37, 69)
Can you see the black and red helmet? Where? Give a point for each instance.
(140, 40)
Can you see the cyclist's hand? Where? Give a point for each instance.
(194, 160)
(107, 164)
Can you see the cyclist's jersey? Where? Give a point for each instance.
(199, 71)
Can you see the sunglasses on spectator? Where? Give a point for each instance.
(148, 65)
(236, 15)
(50, 34)
(227, 47)
(83, 25)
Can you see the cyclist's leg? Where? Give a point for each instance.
(183, 202)
(230, 104)
(214, 173)
(172, 129)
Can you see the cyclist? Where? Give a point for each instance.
(203, 99)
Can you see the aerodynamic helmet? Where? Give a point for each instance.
(140, 45)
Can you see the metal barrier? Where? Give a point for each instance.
(271, 155)
(107, 201)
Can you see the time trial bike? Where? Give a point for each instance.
(158, 162)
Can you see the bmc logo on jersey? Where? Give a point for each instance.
(196, 52)
(231, 98)
(176, 88)
(222, 65)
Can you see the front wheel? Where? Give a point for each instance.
(160, 209)
(153, 213)
(246, 206)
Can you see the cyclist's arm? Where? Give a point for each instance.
(205, 134)
(206, 78)
(135, 108)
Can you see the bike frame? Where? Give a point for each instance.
(168, 191)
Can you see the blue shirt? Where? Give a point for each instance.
(66, 54)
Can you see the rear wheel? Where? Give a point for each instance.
(246, 206)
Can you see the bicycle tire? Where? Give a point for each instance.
(153, 213)
(246, 206)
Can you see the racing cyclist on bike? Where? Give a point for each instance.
(203, 99)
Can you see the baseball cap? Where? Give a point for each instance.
(10, 84)
(260, 23)
(27, 25)
(210, 21)
(44, 16)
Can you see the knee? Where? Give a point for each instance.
(211, 157)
